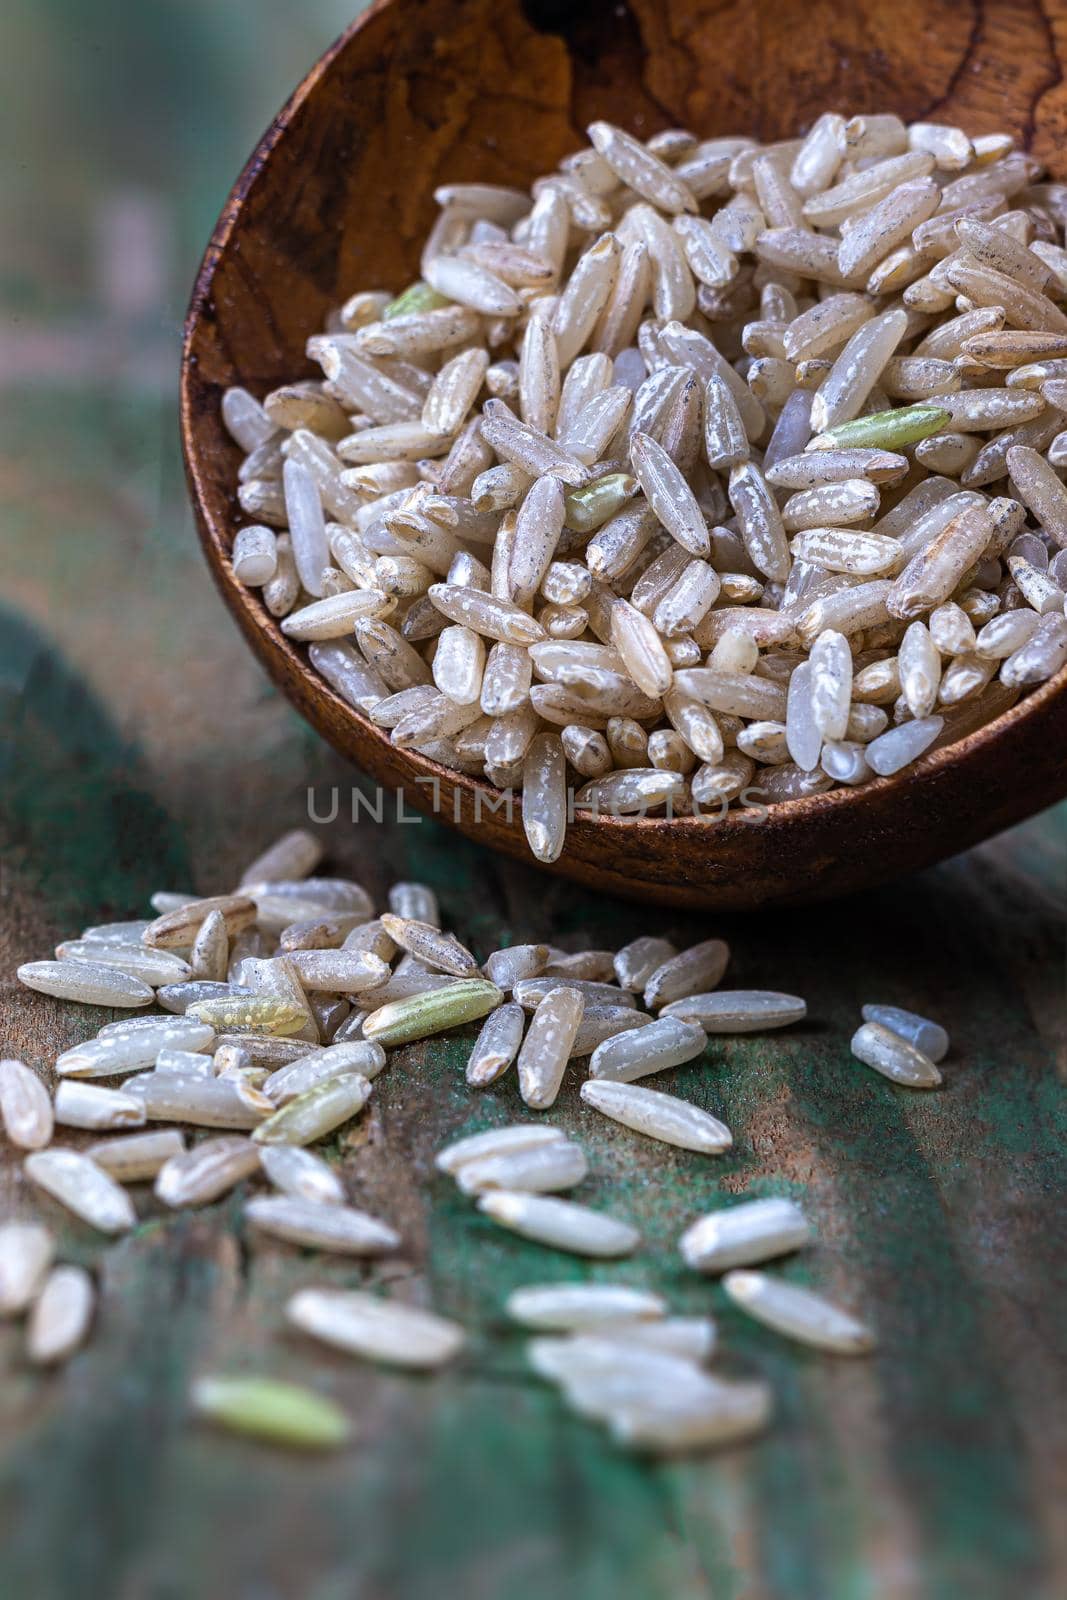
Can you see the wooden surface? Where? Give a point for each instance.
(140, 747)
(339, 195)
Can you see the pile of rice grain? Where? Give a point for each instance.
(708, 473)
(282, 1001)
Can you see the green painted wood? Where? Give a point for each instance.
(140, 748)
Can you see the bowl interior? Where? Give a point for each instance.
(339, 197)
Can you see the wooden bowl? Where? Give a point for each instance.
(338, 196)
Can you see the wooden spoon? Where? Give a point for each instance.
(338, 197)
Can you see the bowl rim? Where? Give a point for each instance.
(292, 670)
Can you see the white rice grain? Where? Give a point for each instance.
(666, 1043)
(82, 1187)
(136, 1157)
(301, 1174)
(26, 1253)
(497, 1045)
(927, 1036)
(798, 1313)
(753, 1231)
(339, 1229)
(560, 1224)
(375, 1328)
(61, 1316)
(547, 1047)
(86, 1105)
(196, 1177)
(738, 1010)
(659, 1116)
(894, 1057)
(564, 1307)
(25, 1106)
(539, 1169)
(87, 982)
